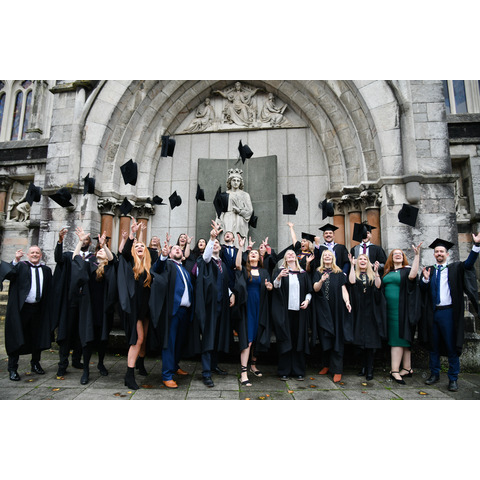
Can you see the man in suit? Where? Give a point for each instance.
(362, 233)
(177, 314)
(228, 254)
(213, 302)
(28, 324)
(340, 251)
(442, 325)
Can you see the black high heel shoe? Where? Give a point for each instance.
(130, 379)
(401, 382)
(409, 374)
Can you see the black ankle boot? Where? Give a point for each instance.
(84, 379)
(140, 366)
(130, 379)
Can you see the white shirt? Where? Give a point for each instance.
(32, 294)
(293, 291)
(185, 301)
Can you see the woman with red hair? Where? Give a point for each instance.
(402, 296)
(134, 281)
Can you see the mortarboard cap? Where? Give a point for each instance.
(220, 202)
(327, 209)
(62, 197)
(175, 200)
(200, 194)
(158, 200)
(290, 204)
(441, 243)
(408, 215)
(245, 151)
(253, 220)
(168, 146)
(88, 184)
(33, 194)
(327, 227)
(129, 172)
(126, 206)
(360, 231)
(309, 237)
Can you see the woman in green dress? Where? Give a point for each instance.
(402, 296)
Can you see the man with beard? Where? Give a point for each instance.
(339, 250)
(442, 325)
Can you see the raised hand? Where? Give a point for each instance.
(61, 234)
(417, 249)
(426, 273)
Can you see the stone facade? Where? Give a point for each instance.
(368, 146)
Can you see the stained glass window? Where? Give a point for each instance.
(16, 116)
(26, 117)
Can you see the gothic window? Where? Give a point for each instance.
(2, 108)
(16, 109)
(462, 96)
(17, 113)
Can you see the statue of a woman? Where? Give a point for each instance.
(240, 208)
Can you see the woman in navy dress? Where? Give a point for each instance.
(252, 285)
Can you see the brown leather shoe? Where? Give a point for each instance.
(181, 372)
(323, 371)
(170, 383)
(337, 377)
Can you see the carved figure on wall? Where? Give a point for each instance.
(239, 109)
(204, 118)
(240, 207)
(271, 113)
(22, 208)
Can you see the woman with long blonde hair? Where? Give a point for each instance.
(329, 282)
(134, 293)
(368, 309)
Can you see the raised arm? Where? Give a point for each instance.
(416, 262)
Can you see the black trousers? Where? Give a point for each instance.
(31, 330)
(72, 340)
(292, 363)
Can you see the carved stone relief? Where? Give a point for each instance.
(238, 107)
(18, 209)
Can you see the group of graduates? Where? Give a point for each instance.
(181, 301)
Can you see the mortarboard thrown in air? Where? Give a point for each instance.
(168, 146)
(290, 204)
(129, 172)
(408, 215)
(360, 231)
(309, 237)
(200, 195)
(88, 184)
(175, 200)
(253, 220)
(327, 209)
(126, 206)
(158, 200)
(220, 202)
(245, 151)
(62, 197)
(33, 194)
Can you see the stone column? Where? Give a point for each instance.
(143, 213)
(5, 184)
(124, 226)
(373, 219)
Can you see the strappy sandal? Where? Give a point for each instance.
(257, 373)
(408, 374)
(245, 383)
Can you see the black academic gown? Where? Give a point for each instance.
(341, 257)
(375, 254)
(262, 341)
(162, 303)
(369, 314)
(97, 299)
(133, 296)
(208, 333)
(460, 280)
(280, 315)
(20, 284)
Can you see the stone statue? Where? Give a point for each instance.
(240, 208)
(204, 118)
(22, 207)
(271, 113)
(239, 109)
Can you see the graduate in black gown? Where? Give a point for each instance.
(252, 297)
(28, 321)
(292, 295)
(331, 282)
(96, 285)
(134, 280)
(368, 310)
(340, 251)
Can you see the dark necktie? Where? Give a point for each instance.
(364, 246)
(38, 295)
(219, 264)
(438, 272)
